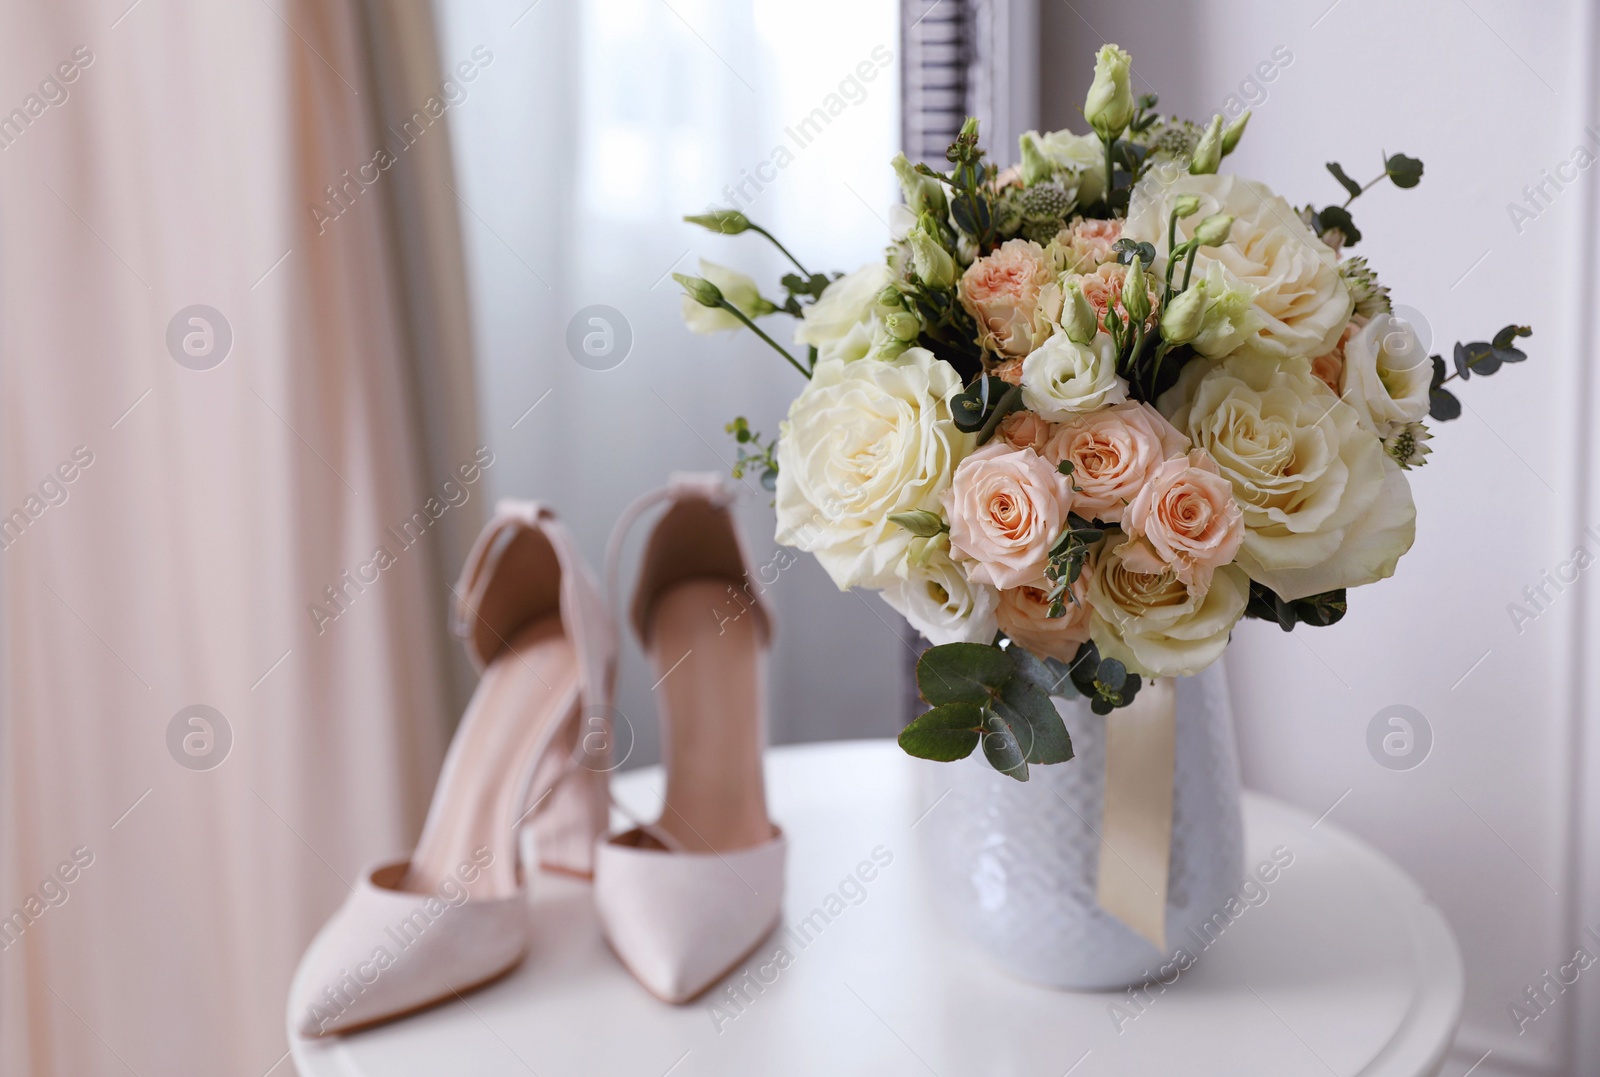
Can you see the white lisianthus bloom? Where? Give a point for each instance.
(1084, 155)
(736, 288)
(1154, 624)
(933, 593)
(1387, 375)
(1301, 299)
(862, 441)
(841, 324)
(1231, 317)
(1061, 379)
(1324, 507)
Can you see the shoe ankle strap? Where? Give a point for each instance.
(682, 487)
(485, 618)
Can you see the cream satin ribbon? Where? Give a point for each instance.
(1136, 827)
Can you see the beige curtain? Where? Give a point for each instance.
(183, 532)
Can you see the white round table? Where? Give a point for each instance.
(1344, 968)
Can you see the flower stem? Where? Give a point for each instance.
(774, 241)
(1188, 265)
(756, 329)
(1110, 169)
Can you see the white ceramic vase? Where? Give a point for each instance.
(1014, 864)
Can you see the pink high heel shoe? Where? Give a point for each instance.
(685, 899)
(454, 915)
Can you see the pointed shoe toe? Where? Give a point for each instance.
(681, 921)
(389, 952)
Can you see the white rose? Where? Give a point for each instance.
(1387, 375)
(736, 288)
(1152, 622)
(1084, 154)
(1299, 295)
(862, 441)
(1323, 506)
(841, 324)
(1061, 379)
(933, 593)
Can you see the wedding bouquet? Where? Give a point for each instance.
(1090, 411)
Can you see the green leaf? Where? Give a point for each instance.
(1034, 722)
(1345, 181)
(963, 673)
(1476, 358)
(1112, 673)
(970, 407)
(945, 733)
(1339, 217)
(1052, 675)
(1404, 171)
(1443, 405)
(1510, 333)
(1127, 249)
(1438, 373)
(1002, 751)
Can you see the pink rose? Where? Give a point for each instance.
(1184, 519)
(1009, 371)
(1087, 244)
(1114, 451)
(1001, 291)
(1103, 290)
(1329, 368)
(1006, 508)
(1024, 429)
(1024, 616)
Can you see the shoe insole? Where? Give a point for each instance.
(522, 705)
(709, 697)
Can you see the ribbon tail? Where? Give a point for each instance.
(1136, 827)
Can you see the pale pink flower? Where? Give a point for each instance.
(1086, 243)
(1001, 291)
(1329, 367)
(1024, 616)
(1114, 451)
(1184, 519)
(1006, 508)
(1024, 429)
(1103, 290)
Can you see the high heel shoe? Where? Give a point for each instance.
(455, 914)
(684, 900)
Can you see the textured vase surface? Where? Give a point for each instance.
(1014, 864)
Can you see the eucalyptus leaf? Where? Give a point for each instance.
(1339, 217)
(1050, 674)
(945, 733)
(1345, 181)
(1404, 171)
(1034, 722)
(1443, 405)
(1002, 751)
(1112, 673)
(963, 673)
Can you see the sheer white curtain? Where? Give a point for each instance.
(184, 488)
(597, 127)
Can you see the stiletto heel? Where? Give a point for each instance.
(454, 915)
(685, 899)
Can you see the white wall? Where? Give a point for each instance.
(1487, 94)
